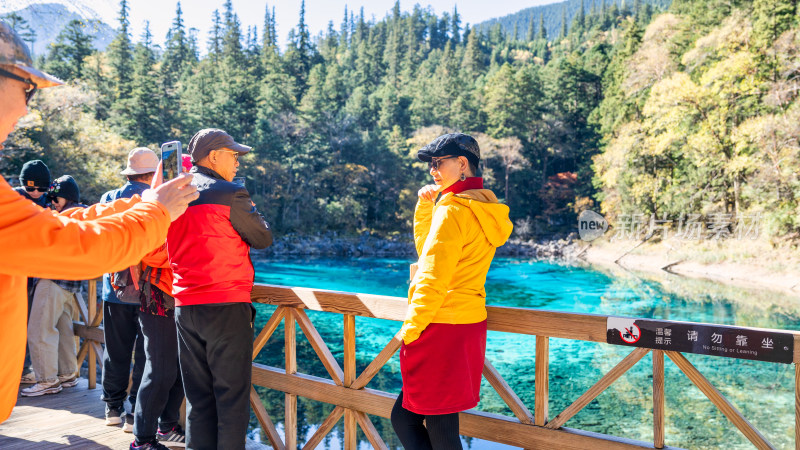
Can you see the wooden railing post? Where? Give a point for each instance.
(658, 399)
(542, 380)
(350, 424)
(797, 406)
(290, 414)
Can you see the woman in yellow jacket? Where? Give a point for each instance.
(444, 333)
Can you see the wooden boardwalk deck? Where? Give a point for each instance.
(73, 417)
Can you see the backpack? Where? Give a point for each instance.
(128, 283)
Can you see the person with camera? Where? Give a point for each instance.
(209, 250)
(51, 339)
(34, 180)
(77, 244)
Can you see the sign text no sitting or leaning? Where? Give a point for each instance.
(718, 340)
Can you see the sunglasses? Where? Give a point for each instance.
(28, 92)
(434, 163)
(32, 188)
(235, 154)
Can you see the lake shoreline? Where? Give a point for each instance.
(658, 258)
(661, 258)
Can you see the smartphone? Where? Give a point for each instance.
(171, 160)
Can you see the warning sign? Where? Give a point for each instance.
(704, 339)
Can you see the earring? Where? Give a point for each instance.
(463, 177)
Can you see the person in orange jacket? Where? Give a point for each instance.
(78, 244)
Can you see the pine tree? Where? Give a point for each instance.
(563, 33)
(215, 40)
(65, 58)
(531, 30)
(120, 55)
(542, 29)
(515, 33)
(178, 53)
(232, 35)
(473, 56)
(771, 19)
(144, 122)
(455, 26)
(22, 27)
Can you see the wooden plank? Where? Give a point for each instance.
(372, 434)
(84, 312)
(506, 393)
(598, 388)
(92, 365)
(796, 348)
(542, 380)
(730, 411)
(269, 328)
(94, 333)
(658, 399)
(266, 422)
(92, 293)
(290, 403)
(83, 352)
(492, 427)
(319, 346)
(92, 304)
(349, 350)
(324, 428)
(350, 430)
(98, 350)
(375, 366)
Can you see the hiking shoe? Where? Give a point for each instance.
(153, 445)
(28, 378)
(175, 437)
(68, 381)
(114, 415)
(128, 425)
(42, 389)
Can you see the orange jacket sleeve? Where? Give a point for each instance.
(41, 243)
(38, 242)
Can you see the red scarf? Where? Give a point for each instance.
(461, 186)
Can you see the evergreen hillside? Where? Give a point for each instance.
(557, 18)
(690, 113)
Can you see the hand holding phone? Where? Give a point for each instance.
(171, 160)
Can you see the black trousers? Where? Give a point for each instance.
(161, 392)
(440, 432)
(122, 334)
(215, 348)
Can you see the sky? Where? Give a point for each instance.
(197, 13)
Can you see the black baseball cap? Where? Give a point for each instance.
(209, 139)
(452, 144)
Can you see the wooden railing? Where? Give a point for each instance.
(348, 390)
(90, 331)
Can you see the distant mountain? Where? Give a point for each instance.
(552, 15)
(48, 19)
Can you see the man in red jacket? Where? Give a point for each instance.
(209, 252)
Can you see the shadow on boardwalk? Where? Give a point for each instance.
(74, 417)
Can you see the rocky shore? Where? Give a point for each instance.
(402, 246)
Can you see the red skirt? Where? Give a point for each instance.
(442, 369)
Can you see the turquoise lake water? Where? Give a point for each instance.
(763, 392)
